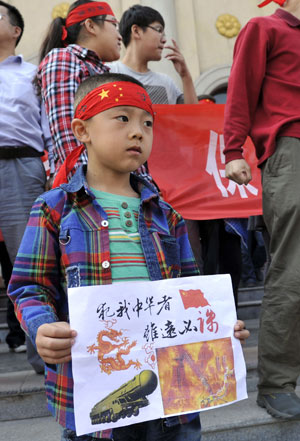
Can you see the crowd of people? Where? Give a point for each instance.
(98, 151)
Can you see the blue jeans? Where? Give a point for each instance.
(154, 430)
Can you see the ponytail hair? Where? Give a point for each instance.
(53, 38)
(54, 35)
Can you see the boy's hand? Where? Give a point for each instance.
(240, 332)
(177, 59)
(54, 342)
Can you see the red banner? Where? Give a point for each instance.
(188, 164)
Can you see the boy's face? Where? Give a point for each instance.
(153, 41)
(120, 139)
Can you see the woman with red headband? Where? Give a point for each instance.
(74, 49)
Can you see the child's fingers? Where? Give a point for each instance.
(55, 360)
(56, 330)
(54, 357)
(55, 344)
(239, 325)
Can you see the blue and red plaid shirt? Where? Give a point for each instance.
(59, 75)
(66, 244)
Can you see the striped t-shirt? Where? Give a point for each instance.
(127, 258)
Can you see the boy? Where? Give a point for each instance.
(70, 239)
(142, 30)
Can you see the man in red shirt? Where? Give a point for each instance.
(264, 102)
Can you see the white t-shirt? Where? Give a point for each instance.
(160, 87)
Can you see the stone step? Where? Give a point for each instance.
(245, 421)
(3, 331)
(3, 299)
(24, 402)
(3, 315)
(249, 302)
(22, 395)
(32, 429)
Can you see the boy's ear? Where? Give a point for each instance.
(79, 128)
(136, 31)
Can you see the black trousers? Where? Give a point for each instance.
(15, 334)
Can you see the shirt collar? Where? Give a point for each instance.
(83, 52)
(78, 184)
(13, 59)
(290, 19)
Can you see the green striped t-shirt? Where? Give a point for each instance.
(127, 258)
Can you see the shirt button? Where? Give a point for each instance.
(124, 205)
(105, 264)
(128, 223)
(127, 214)
(104, 223)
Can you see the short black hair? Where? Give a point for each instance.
(97, 80)
(139, 15)
(15, 18)
(206, 97)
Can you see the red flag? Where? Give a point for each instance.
(193, 298)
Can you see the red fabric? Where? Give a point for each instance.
(206, 101)
(188, 165)
(108, 95)
(82, 12)
(68, 165)
(266, 2)
(263, 96)
(88, 10)
(46, 165)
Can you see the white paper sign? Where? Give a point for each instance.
(148, 350)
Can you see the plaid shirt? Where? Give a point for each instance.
(59, 75)
(57, 251)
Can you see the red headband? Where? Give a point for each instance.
(266, 2)
(118, 93)
(82, 12)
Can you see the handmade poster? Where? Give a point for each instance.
(148, 350)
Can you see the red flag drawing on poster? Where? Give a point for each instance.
(188, 164)
(193, 298)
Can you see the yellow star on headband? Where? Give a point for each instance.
(104, 94)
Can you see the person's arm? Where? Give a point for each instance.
(189, 93)
(35, 286)
(244, 88)
(59, 76)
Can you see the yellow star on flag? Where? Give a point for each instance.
(104, 94)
